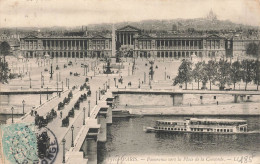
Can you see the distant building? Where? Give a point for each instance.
(66, 46)
(138, 43)
(211, 16)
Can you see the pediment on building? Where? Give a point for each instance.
(214, 36)
(31, 37)
(129, 28)
(98, 37)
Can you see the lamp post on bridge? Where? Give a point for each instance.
(72, 142)
(96, 97)
(47, 93)
(88, 108)
(84, 109)
(40, 97)
(115, 81)
(64, 142)
(23, 106)
(99, 93)
(41, 81)
(12, 114)
(30, 82)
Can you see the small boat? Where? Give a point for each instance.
(200, 125)
(148, 129)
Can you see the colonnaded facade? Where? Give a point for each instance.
(137, 44)
(66, 47)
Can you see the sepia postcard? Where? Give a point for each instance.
(129, 81)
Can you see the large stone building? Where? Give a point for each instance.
(66, 46)
(169, 45)
(137, 44)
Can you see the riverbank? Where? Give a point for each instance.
(232, 109)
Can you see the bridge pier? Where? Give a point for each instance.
(109, 115)
(89, 146)
(102, 120)
(92, 149)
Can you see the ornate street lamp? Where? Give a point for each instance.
(115, 81)
(40, 97)
(84, 109)
(23, 106)
(72, 142)
(96, 97)
(99, 93)
(64, 142)
(30, 83)
(88, 108)
(12, 114)
(47, 93)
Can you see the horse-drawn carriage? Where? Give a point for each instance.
(40, 121)
(71, 113)
(43, 144)
(103, 91)
(66, 101)
(50, 116)
(120, 80)
(89, 93)
(60, 106)
(77, 105)
(84, 96)
(65, 121)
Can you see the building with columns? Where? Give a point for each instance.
(170, 45)
(138, 43)
(125, 35)
(66, 46)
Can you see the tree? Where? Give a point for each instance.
(247, 71)
(184, 73)
(4, 71)
(253, 49)
(257, 73)
(198, 73)
(4, 49)
(235, 73)
(223, 73)
(211, 71)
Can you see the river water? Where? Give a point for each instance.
(127, 138)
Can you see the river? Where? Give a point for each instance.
(127, 138)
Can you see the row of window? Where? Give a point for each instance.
(196, 129)
(211, 130)
(171, 123)
(172, 129)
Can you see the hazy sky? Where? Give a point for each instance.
(45, 13)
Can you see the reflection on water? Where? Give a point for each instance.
(126, 136)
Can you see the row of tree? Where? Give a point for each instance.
(220, 72)
(4, 70)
